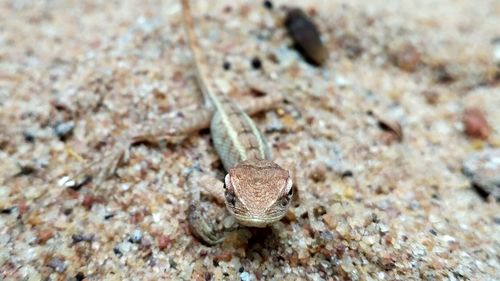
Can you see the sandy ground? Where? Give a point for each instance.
(75, 76)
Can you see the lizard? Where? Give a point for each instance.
(256, 191)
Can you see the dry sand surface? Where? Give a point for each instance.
(376, 138)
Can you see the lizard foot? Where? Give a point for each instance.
(198, 224)
(201, 229)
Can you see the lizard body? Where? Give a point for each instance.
(257, 190)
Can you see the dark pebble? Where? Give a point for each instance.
(268, 5)
(78, 185)
(172, 263)
(82, 238)
(256, 63)
(79, 276)
(226, 65)
(443, 74)
(26, 170)
(117, 251)
(29, 136)
(347, 174)
(107, 217)
(7, 211)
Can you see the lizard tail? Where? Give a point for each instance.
(199, 61)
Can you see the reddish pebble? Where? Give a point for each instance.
(90, 200)
(340, 250)
(44, 236)
(475, 124)
(22, 208)
(137, 217)
(223, 256)
(164, 242)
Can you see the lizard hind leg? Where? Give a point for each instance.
(205, 231)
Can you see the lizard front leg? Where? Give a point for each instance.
(172, 130)
(197, 183)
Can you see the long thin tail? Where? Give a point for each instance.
(199, 61)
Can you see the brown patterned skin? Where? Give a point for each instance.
(257, 192)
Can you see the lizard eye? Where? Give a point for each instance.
(284, 201)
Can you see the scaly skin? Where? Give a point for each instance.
(257, 191)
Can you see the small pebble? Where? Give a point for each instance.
(79, 276)
(89, 200)
(475, 124)
(406, 57)
(26, 169)
(223, 256)
(64, 129)
(122, 248)
(392, 127)
(245, 276)
(117, 251)
(164, 242)
(7, 211)
(431, 97)
(136, 236)
(29, 136)
(347, 174)
(44, 236)
(109, 216)
(443, 74)
(483, 169)
(82, 238)
(57, 264)
(226, 65)
(268, 5)
(256, 63)
(145, 244)
(318, 172)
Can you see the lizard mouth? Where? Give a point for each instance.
(257, 221)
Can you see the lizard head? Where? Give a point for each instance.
(258, 192)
